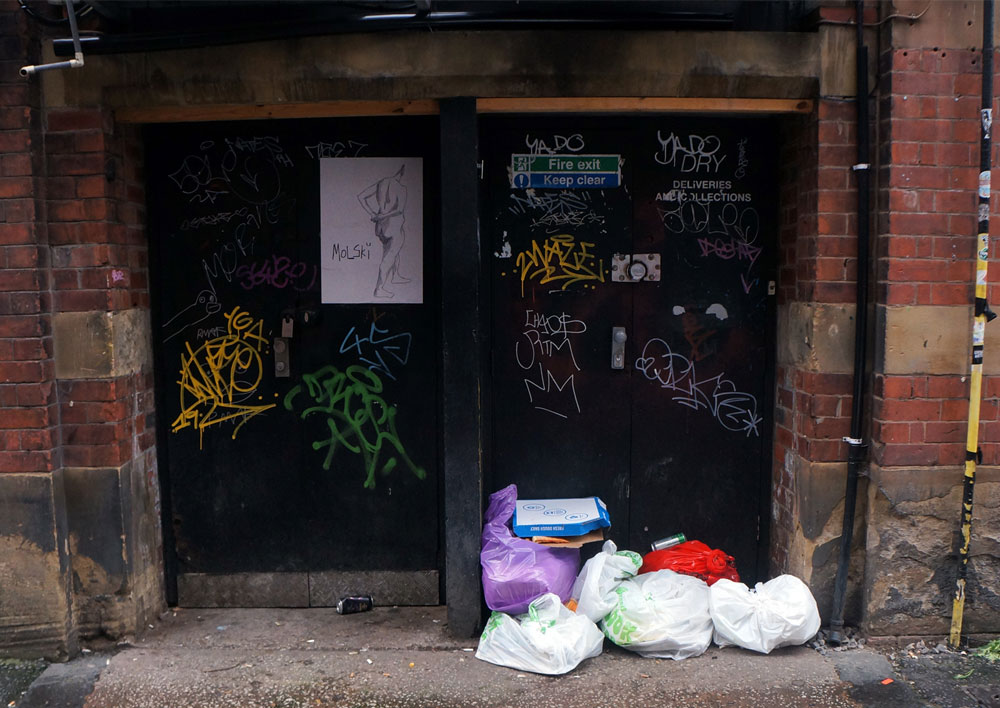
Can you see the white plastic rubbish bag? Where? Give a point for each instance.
(550, 639)
(662, 614)
(594, 589)
(779, 613)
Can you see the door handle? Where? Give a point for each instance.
(618, 338)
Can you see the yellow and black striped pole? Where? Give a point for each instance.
(982, 316)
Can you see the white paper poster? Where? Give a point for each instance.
(371, 229)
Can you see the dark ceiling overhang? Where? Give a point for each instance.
(119, 26)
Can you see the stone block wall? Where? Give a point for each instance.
(816, 294)
(926, 121)
(35, 588)
(103, 367)
(929, 129)
(79, 513)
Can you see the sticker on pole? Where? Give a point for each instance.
(984, 184)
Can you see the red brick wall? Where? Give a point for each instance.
(71, 239)
(29, 423)
(96, 215)
(922, 420)
(797, 151)
(817, 266)
(927, 210)
(828, 261)
(96, 212)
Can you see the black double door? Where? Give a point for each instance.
(632, 335)
(298, 432)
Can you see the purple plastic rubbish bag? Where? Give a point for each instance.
(516, 570)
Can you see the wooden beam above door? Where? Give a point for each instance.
(333, 109)
(318, 109)
(643, 105)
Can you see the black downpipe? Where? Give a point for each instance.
(857, 450)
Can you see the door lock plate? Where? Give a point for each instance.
(635, 267)
(282, 362)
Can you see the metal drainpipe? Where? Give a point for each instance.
(857, 449)
(75, 63)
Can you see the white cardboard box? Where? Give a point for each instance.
(559, 517)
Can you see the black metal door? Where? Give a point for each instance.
(297, 429)
(678, 438)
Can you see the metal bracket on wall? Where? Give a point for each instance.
(635, 267)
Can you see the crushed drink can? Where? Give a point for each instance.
(350, 604)
(669, 541)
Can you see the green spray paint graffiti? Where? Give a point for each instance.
(357, 416)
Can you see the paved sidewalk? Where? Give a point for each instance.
(404, 657)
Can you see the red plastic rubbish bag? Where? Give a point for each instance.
(693, 558)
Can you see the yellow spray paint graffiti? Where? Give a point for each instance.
(559, 259)
(219, 376)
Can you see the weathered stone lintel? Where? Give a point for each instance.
(414, 587)
(816, 337)
(243, 589)
(815, 546)
(930, 339)
(35, 603)
(941, 26)
(315, 589)
(414, 65)
(911, 564)
(99, 345)
(116, 549)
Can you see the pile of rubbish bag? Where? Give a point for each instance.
(547, 618)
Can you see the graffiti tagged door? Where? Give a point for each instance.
(296, 344)
(631, 270)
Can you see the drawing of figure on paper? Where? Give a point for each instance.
(385, 202)
(359, 195)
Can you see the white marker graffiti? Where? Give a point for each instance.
(545, 349)
(735, 410)
(693, 153)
